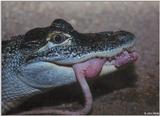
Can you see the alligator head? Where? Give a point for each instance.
(55, 55)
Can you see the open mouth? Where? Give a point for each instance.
(93, 65)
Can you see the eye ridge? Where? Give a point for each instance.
(58, 38)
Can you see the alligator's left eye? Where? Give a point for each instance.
(58, 38)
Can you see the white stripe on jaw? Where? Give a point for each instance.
(49, 45)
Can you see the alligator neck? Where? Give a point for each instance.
(14, 91)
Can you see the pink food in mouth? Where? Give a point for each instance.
(125, 58)
(91, 68)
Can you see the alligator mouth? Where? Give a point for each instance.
(91, 68)
(93, 63)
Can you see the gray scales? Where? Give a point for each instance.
(42, 59)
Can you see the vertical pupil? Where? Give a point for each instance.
(58, 38)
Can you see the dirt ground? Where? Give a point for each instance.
(132, 90)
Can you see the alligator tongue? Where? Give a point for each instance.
(91, 68)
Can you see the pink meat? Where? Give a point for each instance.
(91, 68)
(125, 58)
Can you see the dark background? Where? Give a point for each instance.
(133, 90)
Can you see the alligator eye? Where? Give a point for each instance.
(58, 38)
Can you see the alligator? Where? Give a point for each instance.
(58, 55)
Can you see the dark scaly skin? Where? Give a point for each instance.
(40, 48)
